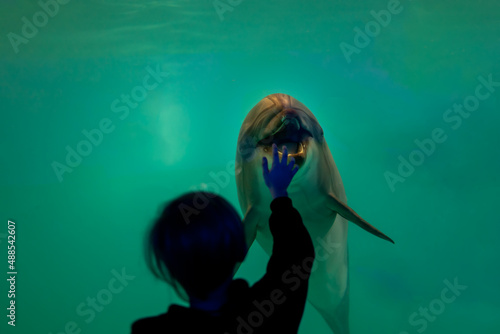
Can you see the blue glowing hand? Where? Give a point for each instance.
(281, 174)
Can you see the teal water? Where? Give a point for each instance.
(79, 227)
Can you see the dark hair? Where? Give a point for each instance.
(196, 242)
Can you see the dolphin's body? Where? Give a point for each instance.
(316, 191)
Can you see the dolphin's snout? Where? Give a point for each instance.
(290, 121)
(288, 131)
(290, 115)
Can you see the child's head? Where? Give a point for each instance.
(196, 242)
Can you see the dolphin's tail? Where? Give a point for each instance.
(342, 209)
(335, 313)
(338, 320)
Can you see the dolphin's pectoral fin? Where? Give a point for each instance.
(342, 209)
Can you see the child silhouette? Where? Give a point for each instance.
(197, 251)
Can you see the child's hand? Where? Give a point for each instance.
(281, 174)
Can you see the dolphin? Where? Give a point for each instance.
(316, 190)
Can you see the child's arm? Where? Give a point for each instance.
(285, 283)
(291, 240)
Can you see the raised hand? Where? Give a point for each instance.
(281, 174)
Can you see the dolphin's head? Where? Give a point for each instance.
(279, 119)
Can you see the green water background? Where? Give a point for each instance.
(72, 233)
